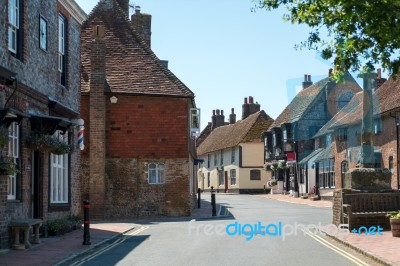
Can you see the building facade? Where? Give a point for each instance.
(289, 139)
(39, 97)
(231, 153)
(139, 155)
(345, 131)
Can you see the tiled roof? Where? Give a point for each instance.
(385, 99)
(389, 95)
(350, 112)
(299, 104)
(306, 97)
(325, 154)
(243, 131)
(131, 66)
(204, 134)
(311, 155)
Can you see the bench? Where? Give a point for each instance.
(369, 209)
(24, 225)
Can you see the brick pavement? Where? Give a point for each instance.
(53, 250)
(383, 248)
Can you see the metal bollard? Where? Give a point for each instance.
(198, 197)
(214, 209)
(86, 223)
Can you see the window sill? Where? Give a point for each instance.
(13, 201)
(54, 207)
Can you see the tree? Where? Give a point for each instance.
(360, 33)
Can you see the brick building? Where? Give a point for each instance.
(39, 92)
(232, 152)
(289, 140)
(345, 131)
(139, 155)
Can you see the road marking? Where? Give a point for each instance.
(112, 245)
(345, 254)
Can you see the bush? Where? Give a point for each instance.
(58, 227)
(61, 226)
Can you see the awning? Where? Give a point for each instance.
(49, 124)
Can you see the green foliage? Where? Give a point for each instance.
(360, 33)
(62, 226)
(393, 215)
(8, 167)
(58, 227)
(46, 143)
(3, 136)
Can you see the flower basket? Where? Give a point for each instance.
(8, 168)
(394, 218)
(47, 143)
(3, 136)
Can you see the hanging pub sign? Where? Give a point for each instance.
(291, 158)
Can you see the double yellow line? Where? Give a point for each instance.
(112, 245)
(345, 254)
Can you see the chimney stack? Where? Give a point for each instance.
(142, 25)
(379, 79)
(330, 72)
(307, 81)
(218, 119)
(232, 117)
(249, 108)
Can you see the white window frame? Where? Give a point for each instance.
(13, 25)
(156, 173)
(61, 43)
(232, 173)
(13, 153)
(59, 173)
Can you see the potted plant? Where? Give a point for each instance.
(394, 223)
(3, 136)
(8, 167)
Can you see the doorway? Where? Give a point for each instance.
(36, 185)
(226, 181)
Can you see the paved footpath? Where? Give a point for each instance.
(56, 250)
(53, 250)
(383, 248)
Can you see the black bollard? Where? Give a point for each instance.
(86, 223)
(214, 209)
(198, 198)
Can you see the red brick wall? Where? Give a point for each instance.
(147, 127)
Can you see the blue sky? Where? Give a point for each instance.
(224, 52)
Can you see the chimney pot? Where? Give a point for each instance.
(137, 10)
(222, 112)
(213, 112)
(245, 100)
(218, 112)
(250, 99)
(309, 78)
(330, 72)
(232, 110)
(379, 73)
(305, 77)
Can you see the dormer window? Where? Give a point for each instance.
(284, 134)
(377, 126)
(328, 140)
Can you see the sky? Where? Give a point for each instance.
(224, 52)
